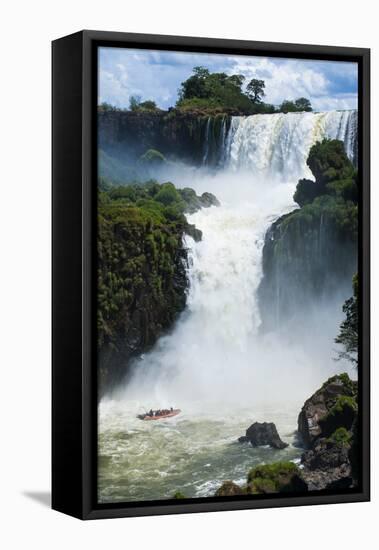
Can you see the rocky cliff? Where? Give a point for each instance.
(190, 137)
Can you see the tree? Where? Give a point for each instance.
(106, 107)
(328, 161)
(303, 104)
(148, 105)
(348, 335)
(134, 102)
(287, 106)
(195, 85)
(237, 80)
(333, 172)
(204, 90)
(255, 90)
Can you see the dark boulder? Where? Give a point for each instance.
(263, 433)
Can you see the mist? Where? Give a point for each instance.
(217, 353)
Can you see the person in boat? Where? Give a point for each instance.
(150, 413)
(171, 410)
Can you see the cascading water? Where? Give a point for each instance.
(215, 365)
(277, 145)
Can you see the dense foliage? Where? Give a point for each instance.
(142, 259)
(334, 193)
(206, 90)
(348, 335)
(299, 105)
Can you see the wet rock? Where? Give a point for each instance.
(263, 433)
(193, 232)
(208, 199)
(229, 489)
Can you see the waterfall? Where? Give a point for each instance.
(277, 145)
(206, 141)
(217, 342)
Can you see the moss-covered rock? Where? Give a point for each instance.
(327, 424)
(178, 495)
(228, 489)
(340, 416)
(341, 436)
(332, 406)
(279, 477)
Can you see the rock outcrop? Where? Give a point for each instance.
(332, 406)
(280, 477)
(229, 489)
(263, 433)
(326, 428)
(190, 137)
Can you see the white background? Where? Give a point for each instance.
(27, 29)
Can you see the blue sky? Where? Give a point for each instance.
(157, 75)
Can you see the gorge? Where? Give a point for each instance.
(259, 300)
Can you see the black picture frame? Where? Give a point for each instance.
(74, 384)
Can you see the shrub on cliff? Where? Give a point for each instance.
(333, 172)
(348, 335)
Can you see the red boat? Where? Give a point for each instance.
(158, 415)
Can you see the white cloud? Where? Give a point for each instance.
(157, 75)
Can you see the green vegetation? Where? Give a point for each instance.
(255, 90)
(113, 170)
(299, 105)
(107, 108)
(341, 437)
(341, 415)
(349, 387)
(206, 91)
(152, 157)
(273, 478)
(334, 174)
(334, 193)
(142, 278)
(211, 93)
(348, 335)
(136, 105)
(230, 489)
(178, 495)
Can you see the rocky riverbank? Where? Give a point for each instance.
(327, 429)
